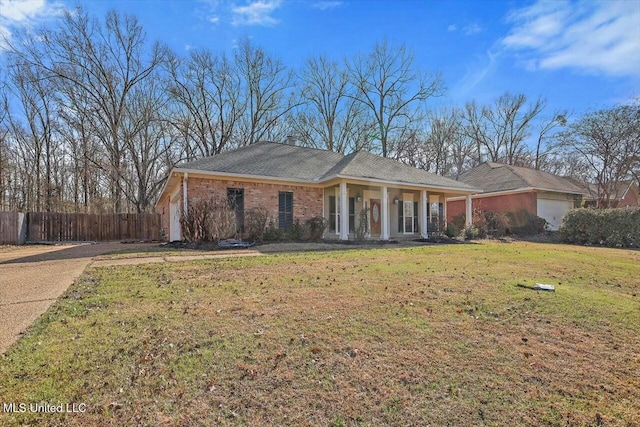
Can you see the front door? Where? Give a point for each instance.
(375, 215)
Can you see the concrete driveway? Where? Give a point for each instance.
(33, 277)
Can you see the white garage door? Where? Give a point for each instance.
(553, 211)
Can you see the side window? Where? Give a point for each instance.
(332, 213)
(235, 198)
(352, 214)
(285, 209)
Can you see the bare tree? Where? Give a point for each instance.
(34, 95)
(266, 85)
(147, 140)
(609, 142)
(5, 173)
(105, 61)
(207, 89)
(500, 130)
(545, 136)
(387, 84)
(330, 119)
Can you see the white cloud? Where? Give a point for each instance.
(471, 29)
(452, 28)
(325, 5)
(482, 67)
(594, 37)
(16, 14)
(256, 13)
(214, 19)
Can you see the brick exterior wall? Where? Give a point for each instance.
(630, 199)
(499, 203)
(307, 201)
(454, 208)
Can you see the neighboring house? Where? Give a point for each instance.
(301, 183)
(513, 189)
(626, 194)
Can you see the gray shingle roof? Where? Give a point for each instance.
(493, 177)
(369, 166)
(269, 159)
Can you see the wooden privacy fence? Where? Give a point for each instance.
(57, 227)
(18, 227)
(12, 228)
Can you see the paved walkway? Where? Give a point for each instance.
(170, 258)
(33, 277)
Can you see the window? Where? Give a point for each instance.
(334, 214)
(352, 214)
(407, 216)
(436, 216)
(285, 209)
(235, 198)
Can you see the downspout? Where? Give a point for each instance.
(184, 193)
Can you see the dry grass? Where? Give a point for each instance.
(408, 336)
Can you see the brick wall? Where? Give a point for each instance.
(307, 201)
(500, 203)
(630, 199)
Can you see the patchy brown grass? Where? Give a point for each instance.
(408, 336)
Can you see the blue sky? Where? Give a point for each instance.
(579, 55)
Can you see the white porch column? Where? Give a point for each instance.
(344, 212)
(469, 211)
(444, 210)
(384, 217)
(424, 219)
(184, 192)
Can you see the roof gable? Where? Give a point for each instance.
(369, 166)
(494, 177)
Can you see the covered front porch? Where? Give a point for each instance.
(383, 211)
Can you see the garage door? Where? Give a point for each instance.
(553, 211)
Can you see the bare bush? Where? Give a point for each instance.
(208, 220)
(256, 221)
(316, 227)
(363, 225)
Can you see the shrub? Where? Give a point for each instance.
(363, 225)
(295, 231)
(272, 232)
(470, 232)
(497, 223)
(480, 224)
(525, 223)
(255, 222)
(452, 230)
(316, 227)
(208, 220)
(459, 222)
(609, 227)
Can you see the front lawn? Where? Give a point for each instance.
(434, 335)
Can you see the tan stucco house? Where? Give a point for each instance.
(294, 182)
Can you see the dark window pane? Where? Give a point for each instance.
(352, 214)
(235, 198)
(332, 213)
(285, 209)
